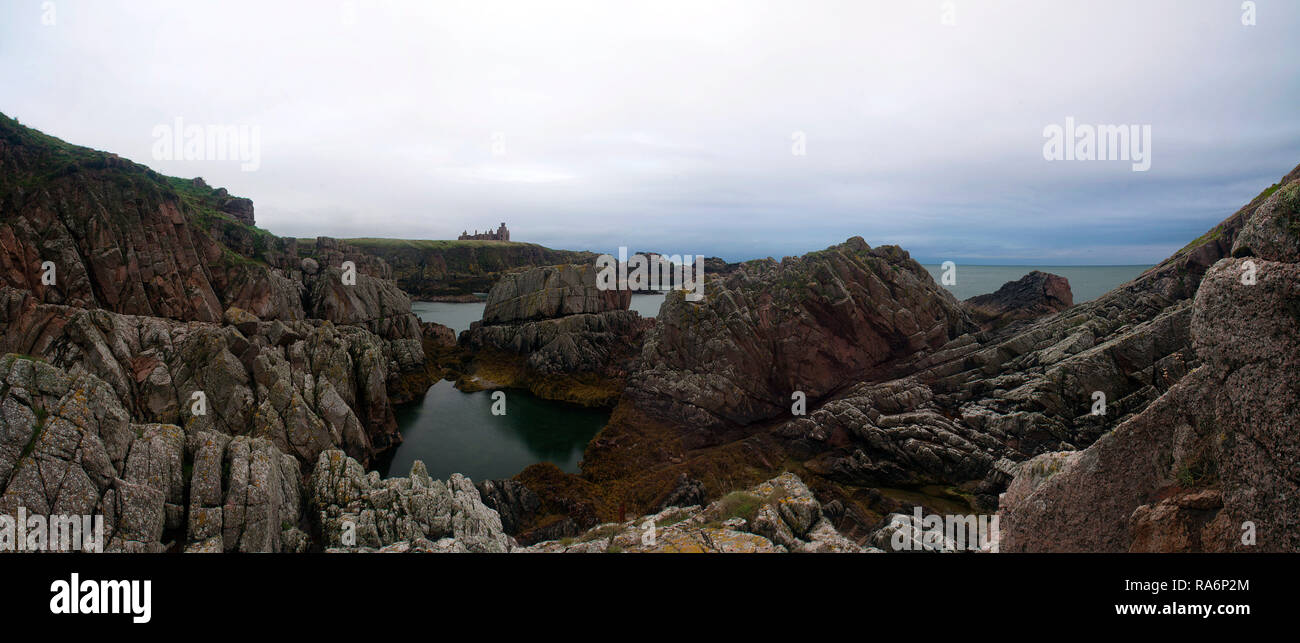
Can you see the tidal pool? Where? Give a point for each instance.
(456, 432)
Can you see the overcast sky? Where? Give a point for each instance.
(671, 126)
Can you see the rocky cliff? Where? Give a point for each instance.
(175, 367)
(1211, 464)
(433, 270)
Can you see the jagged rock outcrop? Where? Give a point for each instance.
(162, 288)
(372, 303)
(808, 324)
(552, 331)
(892, 434)
(244, 496)
(549, 292)
(306, 385)
(359, 511)
(1034, 295)
(780, 515)
(515, 503)
(685, 493)
(1213, 458)
(67, 447)
(1182, 381)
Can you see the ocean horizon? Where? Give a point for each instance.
(1086, 282)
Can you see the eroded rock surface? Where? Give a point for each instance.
(809, 324)
(1213, 456)
(358, 510)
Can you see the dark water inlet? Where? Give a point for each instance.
(456, 432)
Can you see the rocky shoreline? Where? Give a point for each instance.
(210, 387)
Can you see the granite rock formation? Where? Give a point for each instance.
(808, 324)
(1159, 417)
(950, 418)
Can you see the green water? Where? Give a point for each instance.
(1086, 282)
(455, 432)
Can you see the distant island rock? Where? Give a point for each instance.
(1034, 295)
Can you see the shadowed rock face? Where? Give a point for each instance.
(1198, 369)
(1034, 295)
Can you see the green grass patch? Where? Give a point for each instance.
(738, 504)
(38, 427)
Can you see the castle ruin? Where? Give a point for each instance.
(502, 234)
